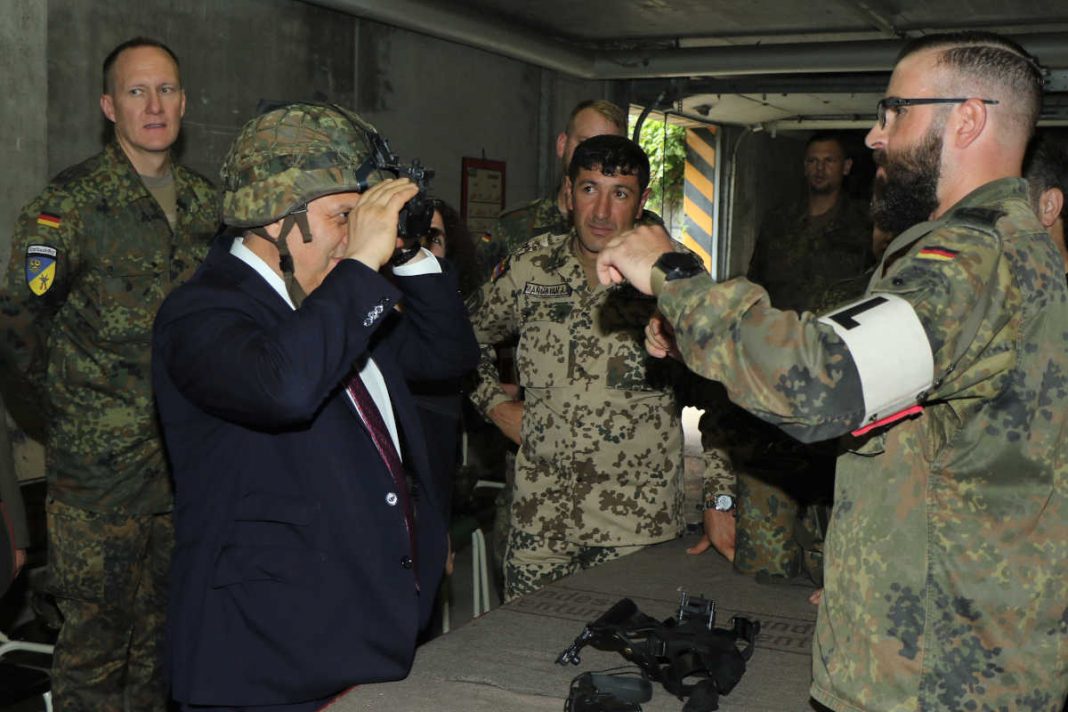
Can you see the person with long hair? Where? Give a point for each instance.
(449, 239)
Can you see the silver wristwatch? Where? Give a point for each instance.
(721, 503)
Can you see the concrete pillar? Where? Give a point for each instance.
(23, 108)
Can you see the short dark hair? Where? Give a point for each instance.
(133, 42)
(989, 63)
(605, 108)
(612, 154)
(1046, 163)
(824, 136)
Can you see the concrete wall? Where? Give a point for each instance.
(23, 138)
(233, 54)
(434, 100)
(23, 157)
(440, 101)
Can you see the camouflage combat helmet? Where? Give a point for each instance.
(288, 157)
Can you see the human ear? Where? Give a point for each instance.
(1050, 205)
(107, 105)
(971, 119)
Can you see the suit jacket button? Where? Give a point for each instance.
(391, 499)
(406, 562)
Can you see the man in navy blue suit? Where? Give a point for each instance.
(308, 544)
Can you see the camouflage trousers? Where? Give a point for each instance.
(779, 533)
(531, 561)
(109, 575)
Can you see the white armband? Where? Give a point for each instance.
(890, 349)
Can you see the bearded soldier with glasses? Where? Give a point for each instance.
(948, 542)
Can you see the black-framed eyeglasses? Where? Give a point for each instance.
(896, 102)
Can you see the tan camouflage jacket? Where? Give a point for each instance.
(92, 258)
(947, 555)
(601, 459)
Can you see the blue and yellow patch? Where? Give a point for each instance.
(40, 268)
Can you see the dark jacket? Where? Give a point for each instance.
(292, 576)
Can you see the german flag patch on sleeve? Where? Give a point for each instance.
(940, 254)
(49, 220)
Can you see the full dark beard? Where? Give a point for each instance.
(907, 193)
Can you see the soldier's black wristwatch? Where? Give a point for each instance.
(674, 265)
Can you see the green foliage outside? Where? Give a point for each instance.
(667, 164)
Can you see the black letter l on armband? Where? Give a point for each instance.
(845, 318)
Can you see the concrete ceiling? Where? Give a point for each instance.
(774, 63)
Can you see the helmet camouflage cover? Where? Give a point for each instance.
(288, 157)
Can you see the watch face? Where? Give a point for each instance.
(679, 265)
(724, 503)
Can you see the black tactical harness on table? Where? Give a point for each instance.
(687, 647)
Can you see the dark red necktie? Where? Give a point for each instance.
(376, 427)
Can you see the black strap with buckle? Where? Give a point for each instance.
(692, 658)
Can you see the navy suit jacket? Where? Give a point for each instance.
(292, 576)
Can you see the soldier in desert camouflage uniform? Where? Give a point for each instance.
(545, 216)
(945, 559)
(599, 469)
(548, 215)
(93, 257)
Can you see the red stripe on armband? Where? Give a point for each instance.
(893, 418)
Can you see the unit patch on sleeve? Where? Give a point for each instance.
(40, 268)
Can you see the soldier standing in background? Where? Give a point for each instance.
(820, 246)
(948, 542)
(599, 468)
(93, 257)
(546, 215)
(801, 251)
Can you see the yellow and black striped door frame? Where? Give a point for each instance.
(699, 194)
